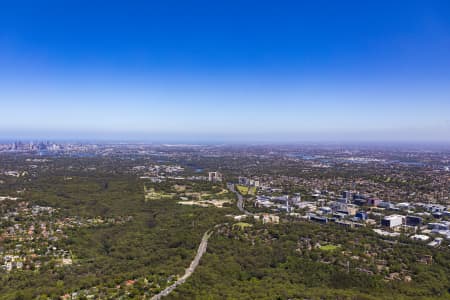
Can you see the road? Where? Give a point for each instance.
(201, 250)
(240, 202)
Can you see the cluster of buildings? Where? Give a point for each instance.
(265, 218)
(278, 203)
(158, 170)
(248, 181)
(46, 147)
(268, 218)
(160, 173)
(214, 177)
(383, 176)
(423, 221)
(30, 234)
(388, 219)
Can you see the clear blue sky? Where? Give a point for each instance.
(225, 70)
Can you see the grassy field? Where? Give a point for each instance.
(329, 247)
(151, 194)
(242, 225)
(243, 190)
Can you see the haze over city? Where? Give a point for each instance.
(226, 72)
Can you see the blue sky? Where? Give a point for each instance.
(226, 70)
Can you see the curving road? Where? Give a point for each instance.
(240, 202)
(201, 250)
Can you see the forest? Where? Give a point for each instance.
(291, 260)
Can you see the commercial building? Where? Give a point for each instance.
(386, 205)
(347, 209)
(361, 215)
(413, 221)
(215, 176)
(318, 219)
(326, 210)
(392, 221)
(373, 201)
(346, 194)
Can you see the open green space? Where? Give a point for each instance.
(242, 189)
(242, 225)
(329, 247)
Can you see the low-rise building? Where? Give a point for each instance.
(373, 201)
(413, 221)
(361, 215)
(392, 221)
(420, 237)
(267, 218)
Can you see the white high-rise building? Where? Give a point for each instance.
(215, 176)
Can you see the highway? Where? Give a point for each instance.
(201, 250)
(240, 202)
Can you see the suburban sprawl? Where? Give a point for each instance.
(152, 221)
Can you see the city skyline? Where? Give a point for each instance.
(233, 72)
